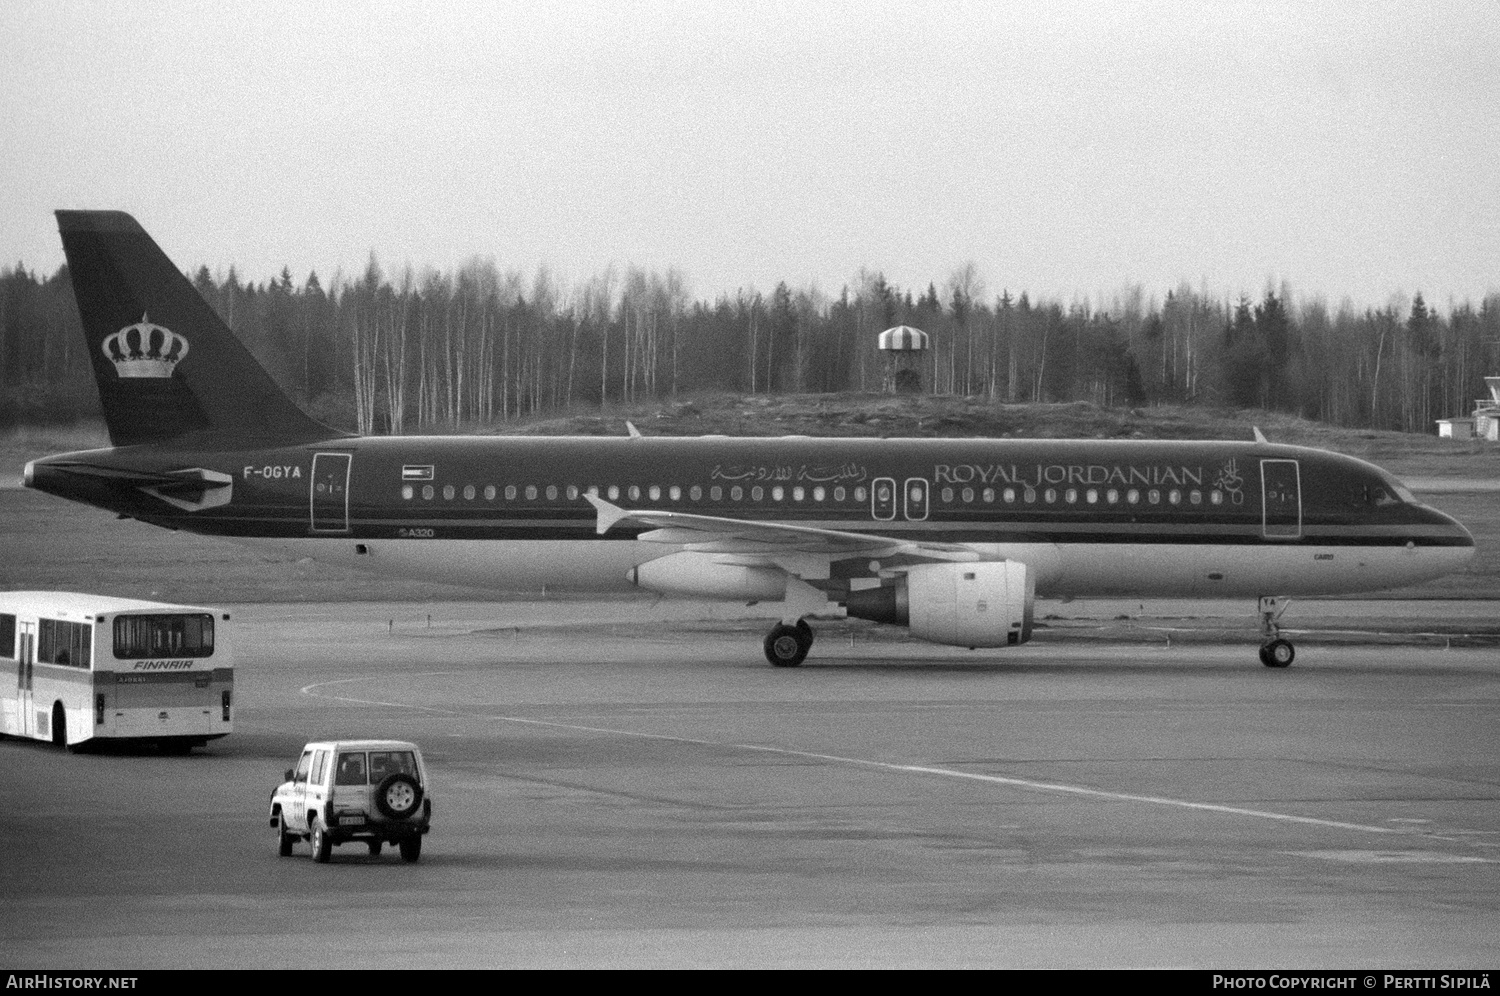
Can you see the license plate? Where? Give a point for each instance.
(350, 821)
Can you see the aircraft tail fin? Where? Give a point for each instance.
(165, 364)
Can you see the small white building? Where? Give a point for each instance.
(1483, 424)
(1456, 428)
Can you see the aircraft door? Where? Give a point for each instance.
(1281, 488)
(883, 498)
(25, 676)
(330, 493)
(915, 496)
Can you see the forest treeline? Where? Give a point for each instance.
(415, 352)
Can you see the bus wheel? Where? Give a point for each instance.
(59, 725)
(284, 840)
(322, 844)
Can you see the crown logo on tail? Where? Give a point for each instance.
(145, 350)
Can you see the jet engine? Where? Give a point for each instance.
(986, 604)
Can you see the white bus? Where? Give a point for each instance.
(76, 668)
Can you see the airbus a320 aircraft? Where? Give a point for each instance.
(952, 538)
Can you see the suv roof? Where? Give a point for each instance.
(361, 745)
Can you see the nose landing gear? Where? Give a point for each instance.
(1276, 651)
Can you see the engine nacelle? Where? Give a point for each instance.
(701, 575)
(987, 604)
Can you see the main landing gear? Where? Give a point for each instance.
(1276, 651)
(787, 645)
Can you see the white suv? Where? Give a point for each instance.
(374, 791)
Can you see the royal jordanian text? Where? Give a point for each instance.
(1033, 475)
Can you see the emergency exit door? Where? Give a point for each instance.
(915, 498)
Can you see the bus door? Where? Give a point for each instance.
(916, 498)
(25, 676)
(330, 493)
(1281, 487)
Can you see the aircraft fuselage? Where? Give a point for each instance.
(1086, 517)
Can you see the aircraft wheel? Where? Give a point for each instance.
(1278, 653)
(787, 646)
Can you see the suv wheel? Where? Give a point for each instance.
(411, 849)
(284, 840)
(398, 796)
(322, 844)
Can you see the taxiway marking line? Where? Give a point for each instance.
(911, 769)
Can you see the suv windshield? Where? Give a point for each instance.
(360, 768)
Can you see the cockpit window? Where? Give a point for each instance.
(1379, 494)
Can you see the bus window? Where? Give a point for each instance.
(7, 635)
(159, 636)
(66, 643)
(351, 769)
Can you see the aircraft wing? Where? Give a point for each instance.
(804, 551)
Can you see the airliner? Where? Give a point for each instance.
(953, 539)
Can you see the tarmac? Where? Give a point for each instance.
(655, 795)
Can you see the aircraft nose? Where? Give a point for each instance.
(29, 474)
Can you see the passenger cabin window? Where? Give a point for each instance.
(303, 766)
(66, 643)
(320, 764)
(182, 635)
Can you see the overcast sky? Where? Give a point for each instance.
(1350, 149)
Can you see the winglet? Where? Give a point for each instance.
(608, 514)
(1260, 437)
(630, 428)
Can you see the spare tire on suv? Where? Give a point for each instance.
(398, 796)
